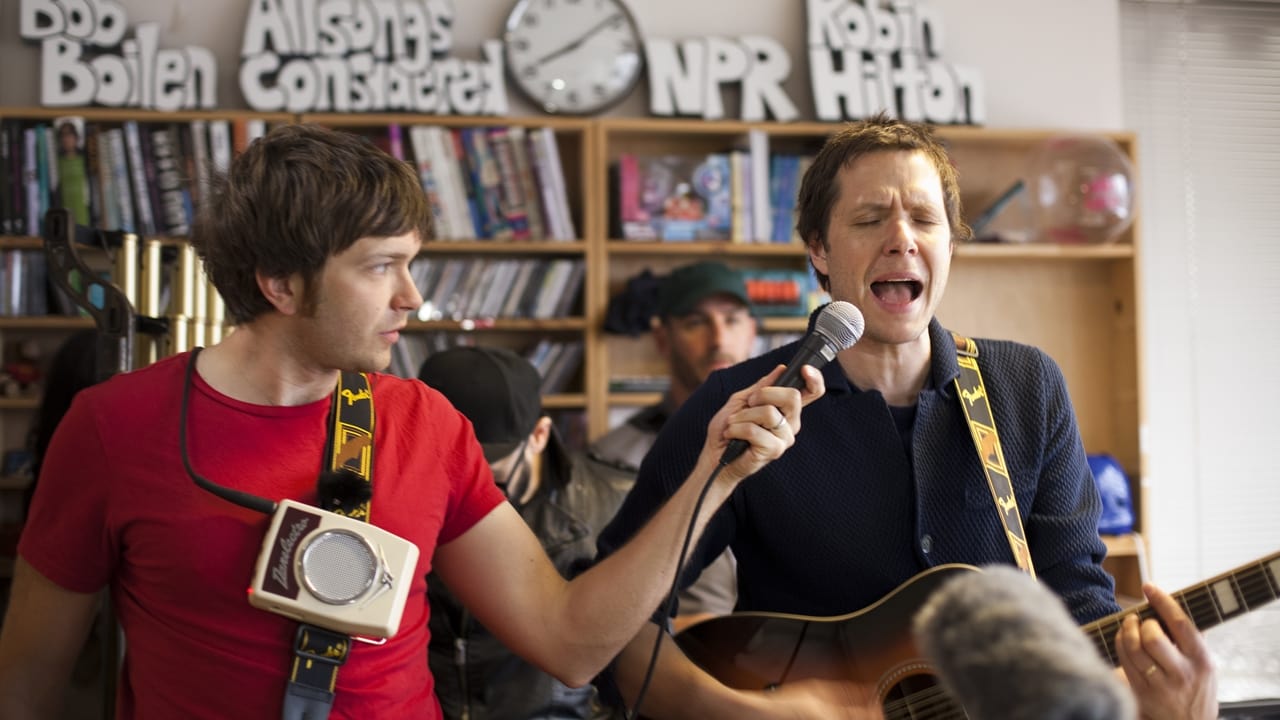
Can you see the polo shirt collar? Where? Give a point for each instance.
(942, 371)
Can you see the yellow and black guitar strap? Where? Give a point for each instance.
(318, 653)
(982, 426)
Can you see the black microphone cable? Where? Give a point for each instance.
(632, 712)
(243, 499)
(838, 326)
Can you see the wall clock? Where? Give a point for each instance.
(573, 57)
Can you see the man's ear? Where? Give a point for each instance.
(284, 293)
(661, 335)
(541, 434)
(817, 255)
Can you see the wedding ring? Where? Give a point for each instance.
(1152, 670)
(782, 419)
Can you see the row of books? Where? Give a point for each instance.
(145, 178)
(24, 283)
(743, 195)
(558, 362)
(469, 288)
(661, 383)
(786, 293)
(483, 183)
(452, 288)
(639, 383)
(489, 183)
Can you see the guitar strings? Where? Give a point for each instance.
(930, 704)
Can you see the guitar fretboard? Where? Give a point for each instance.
(1210, 603)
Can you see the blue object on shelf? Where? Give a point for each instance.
(1113, 487)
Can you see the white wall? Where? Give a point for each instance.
(1211, 166)
(1045, 64)
(1020, 47)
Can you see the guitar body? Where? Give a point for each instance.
(868, 662)
(870, 651)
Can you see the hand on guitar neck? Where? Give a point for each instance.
(1171, 674)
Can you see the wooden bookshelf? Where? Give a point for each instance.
(1079, 303)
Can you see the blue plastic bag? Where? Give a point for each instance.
(1113, 487)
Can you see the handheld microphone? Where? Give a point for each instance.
(1005, 647)
(836, 328)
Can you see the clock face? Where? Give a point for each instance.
(573, 56)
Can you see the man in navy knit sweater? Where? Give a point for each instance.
(885, 481)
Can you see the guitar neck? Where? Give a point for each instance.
(1210, 603)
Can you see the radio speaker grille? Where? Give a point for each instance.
(338, 566)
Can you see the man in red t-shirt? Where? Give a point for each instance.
(308, 239)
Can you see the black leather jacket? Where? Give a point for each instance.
(476, 677)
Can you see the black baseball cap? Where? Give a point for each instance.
(686, 286)
(496, 389)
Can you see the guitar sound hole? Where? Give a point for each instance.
(920, 697)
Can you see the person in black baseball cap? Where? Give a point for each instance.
(500, 393)
(496, 389)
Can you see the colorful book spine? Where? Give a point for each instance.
(175, 203)
(120, 178)
(512, 201)
(529, 186)
(427, 177)
(138, 176)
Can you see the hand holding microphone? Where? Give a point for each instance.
(836, 328)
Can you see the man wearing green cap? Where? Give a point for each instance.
(703, 321)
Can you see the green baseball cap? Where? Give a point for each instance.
(688, 285)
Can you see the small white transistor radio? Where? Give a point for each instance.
(333, 571)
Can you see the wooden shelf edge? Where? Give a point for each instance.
(21, 242)
(381, 120)
(30, 402)
(996, 251)
(1127, 545)
(564, 401)
(14, 482)
(818, 129)
(636, 399)
(45, 322)
(712, 247)
(34, 242)
(104, 114)
(648, 125)
(441, 246)
(796, 324)
(1044, 251)
(571, 324)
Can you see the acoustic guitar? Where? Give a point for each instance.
(871, 655)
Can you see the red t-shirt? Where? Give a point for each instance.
(115, 506)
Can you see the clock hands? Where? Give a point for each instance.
(576, 43)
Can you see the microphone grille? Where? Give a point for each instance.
(841, 323)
